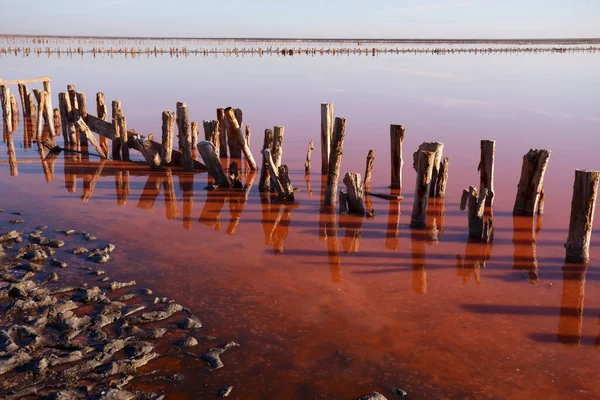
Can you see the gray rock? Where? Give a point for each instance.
(10, 235)
(213, 357)
(56, 243)
(400, 393)
(373, 396)
(57, 263)
(16, 221)
(120, 285)
(189, 342)
(36, 255)
(147, 292)
(80, 250)
(191, 323)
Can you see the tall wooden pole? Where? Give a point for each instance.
(335, 161)
(326, 135)
(396, 162)
(486, 170)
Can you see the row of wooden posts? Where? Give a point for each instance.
(225, 135)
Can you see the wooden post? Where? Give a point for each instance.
(116, 143)
(185, 138)
(208, 153)
(343, 202)
(211, 133)
(422, 188)
(531, 183)
(284, 178)
(277, 145)
(24, 94)
(56, 118)
(311, 147)
(222, 133)
(437, 148)
(149, 152)
(355, 193)
(248, 134)
(194, 133)
(326, 135)
(263, 184)
(14, 109)
(41, 111)
(236, 132)
(396, 161)
(440, 190)
(168, 131)
(64, 105)
(178, 123)
(276, 182)
(369, 167)
(235, 150)
(479, 228)
(486, 169)
(6, 107)
(583, 204)
(82, 102)
(103, 115)
(123, 135)
(31, 105)
(335, 160)
(85, 131)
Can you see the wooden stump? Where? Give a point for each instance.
(103, 115)
(178, 122)
(355, 192)
(311, 147)
(326, 135)
(194, 132)
(437, 148)
(208, 153)
(486, 169)
(343, 202)
(116, 143)
(235, 151)
(123, 135)
(263, 183)
(41, 111)
(248, 134)
(531, 183)
(583, 204)
(168, 130)
(480, 228)
(425, 161)
(222, 133)
(56, 119)
(275, 183)
(31, 105)
(82, 102)
(64, 104)
(236, 132)
(24, 94)
(396, 140)
(335, 160)
(211, 133)
(6, 107)
(14, 109)
(185, 137)
(278, 144)
(369, 167)
(440, 190)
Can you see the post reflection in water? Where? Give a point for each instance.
(476, 254)
(525, 231)
(570, 322)
(419, 274)
(171, 211)
(12, 156)
(186, 185)
(150, 191)
(308, 188)
(327, 220)
(28, 131)
(393, 223)
(237, 201)
(70, 161)
(90, 180)
(122, 186)
(353, 225)
(211, 210)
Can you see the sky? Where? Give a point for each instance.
(305, 19)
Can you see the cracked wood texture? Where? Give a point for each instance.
(585, 192)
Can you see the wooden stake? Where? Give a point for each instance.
(486, 169)
(168, 131)
(369, 167)
(440, 190)
(424, 171)
(531, 183)
(194, 133)
(208, 153)
(116, 143)
(343, 202)
(236, 131)
(82, 102)
(355, 192)
(326, 135)
(248, 134)
(31, 105)
(40, 114)
(85, 130)
(179, 126)
(103, 115)
(56, 118)
(311, 147)
(64, 105)
(23, 93)
(222, 133)
(14, 109)
(185, 138)
(211, 133)
(263, 184)
(479, 228)
(583, 204)
(123, 135)
(281, 187)
(335, 161)
(6, 107)
(396, 141)
(235, 150)
(278, 145)
(437, 148)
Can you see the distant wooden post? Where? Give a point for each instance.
(208, 153)
(479, 228)
(396, 140)
(486, 169)
(103, 115)
(369, 167)
(531, 183)
(222, 133)
(236, 132)
(440, 190)
(335, 160)
(6, 107)
(583, 204)
(311, 147)
(355, 193)
(168, 131)
(14, 109)
(326, 135)
(116, 143)
(263, 184)
(185, 137)
(425, 161)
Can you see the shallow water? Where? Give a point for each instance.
(336, 307)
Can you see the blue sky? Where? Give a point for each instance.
(306, 18)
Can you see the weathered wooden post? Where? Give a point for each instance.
(326, 134)
(437, 148)
(396, 139)
(479, 228)
(168, 131)
(280, 179)
(263, 184)
(278, 135)
(235, 129)
(335, 160)
(311, 147)
(178, 122)
(222, 133)
(355, 193)
(56, 119)
(424, 177)
(41, 112)
(194, 134)
(486, 169)
(440, 185)
(369, 167)
(6, 107)
(235, 151)
(208, 153)
(64, 105)
(531, 183)
(14, 109)
(123, 135)
(23, 93)
(185, 138)
(116, 143)
(31, 105)
(103, 115)
(87, 133)
(583, 204)
(150, 154)
(211, 133)
(248, 134)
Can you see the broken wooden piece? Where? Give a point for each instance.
(486, 169)
(583, 204)
(440, 189)
(236, 132)
(369, 168)
(85, 130)
(208, 153)
(480, 228)
(531, 183)
(424, 167)
(355, 193)
(149, 152)
(308, 154)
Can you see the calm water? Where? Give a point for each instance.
(337, 307)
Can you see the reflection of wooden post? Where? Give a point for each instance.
(103, 115)
(424, 179)
(328, 221)
(531, 183)
(211, 211)
(326, 135)
(122, 186)
(281, 229)
(396, 139)
(335, 161)
(12, 157)
(393, 223)
(570, 322)
(70, 175)
(237, 202)
(222, 134)
(170, 199)
(186, 184)
(263, 183)
(88, 189)
(525, 246)
(486, 169)
(353, 226)
(419, 273)
(150, 192)
(583, 204)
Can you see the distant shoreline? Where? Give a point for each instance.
(522, 41)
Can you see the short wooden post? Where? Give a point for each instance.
(150, 154)
(6, 107)
(424, 172)
(437, 148)
(211, 133)
(31, 105)
(326, 135)
(222, 133)
(264, 181)
(82, 102)
(583, 204)
(178, 123)
(396, 140)
(343, 202)
(335, 161)
(369, 167)
(185, 138)
(123, 135)
(355, 193)
(235, 151)
(236, 132)
(208, 153)
(116, 143)
(480, 228)
(440, 190)
(531, 183)
(103, 115)
(168, 131)
(194, 134)
(311, 147)
(486, 169)
(279, 182)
